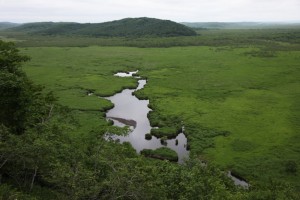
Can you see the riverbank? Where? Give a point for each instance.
(131, 111)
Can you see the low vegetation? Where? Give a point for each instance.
(162, 153)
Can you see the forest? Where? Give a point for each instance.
(129, 27)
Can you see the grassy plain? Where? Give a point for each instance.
(239, 103)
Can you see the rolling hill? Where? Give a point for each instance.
(240, 25)
(128, 27)
(6, 25)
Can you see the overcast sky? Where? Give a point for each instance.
(176, 10)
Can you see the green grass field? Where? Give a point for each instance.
(240, 105)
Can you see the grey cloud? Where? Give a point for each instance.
(177, 10)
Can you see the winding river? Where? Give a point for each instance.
(129, 110)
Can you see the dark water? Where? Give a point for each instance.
(238, 181)
(131, 111)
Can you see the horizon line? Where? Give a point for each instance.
(183, 21)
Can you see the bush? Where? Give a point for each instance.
(168, 132)
(148, 136)
(291, 167)
(9, 193)
(162, 153)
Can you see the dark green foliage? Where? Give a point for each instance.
(148, 136)
(273, 190)
(203, 135)
(168, 126)
(20, 102)
(242, 145)
(172, 181)
(162, 153)
(10, 59)
(291, 167)
(227, 38)
(129, 27)
(240, 25)
(40, 27)
(6, 25)
(163, 140)
(262, 53)
(169, 132)
(7, 192)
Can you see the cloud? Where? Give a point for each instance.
(177, 10)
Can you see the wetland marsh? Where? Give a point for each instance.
(228, 98)
(234, 92)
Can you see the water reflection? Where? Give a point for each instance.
(125, 74)
(238, 181)
(129, 110)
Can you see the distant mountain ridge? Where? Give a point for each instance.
(119, 28)
(6, 25)
(239, 25)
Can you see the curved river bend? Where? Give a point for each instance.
(129, 110)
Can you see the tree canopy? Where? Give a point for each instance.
(129, 27)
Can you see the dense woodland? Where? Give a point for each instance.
(129, 27)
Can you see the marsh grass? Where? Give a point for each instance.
(240, 111)
(162, 153)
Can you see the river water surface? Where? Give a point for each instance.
(129, 110)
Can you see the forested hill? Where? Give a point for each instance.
(119, 28)
(241, 25)
(6, 25)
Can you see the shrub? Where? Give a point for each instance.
(291, 167)
(163, 153)
(148, 136)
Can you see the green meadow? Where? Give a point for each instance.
(239, 103)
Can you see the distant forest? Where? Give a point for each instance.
(120, 28)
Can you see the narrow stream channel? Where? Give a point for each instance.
(131, 111)
(238, 181)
